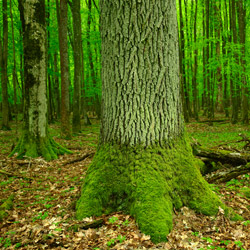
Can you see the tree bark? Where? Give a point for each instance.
(64, 59)
(97, 103)
(5, 103)
(14, 74)
(144, 165)
(194, 80)
(182, 66)
(35, 140)
(233, 82)
(242, 35)
(77, 28)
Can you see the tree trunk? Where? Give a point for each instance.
(182, 66)
(233, 82)
(56, 89)
(217, 30)
(14, 74)
(64, 59)
(242, 34)
(97, 103)
(226, 102)
(194, 80)
(144, 165)
(77, 27)
(35, 140)
(5, 104)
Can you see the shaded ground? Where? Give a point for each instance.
(45, 194)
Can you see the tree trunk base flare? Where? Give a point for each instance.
(147, 184)
(34, 147)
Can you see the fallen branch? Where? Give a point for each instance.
(227, 174)
(234, 159)
(79, 158)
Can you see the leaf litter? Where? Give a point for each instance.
(44, 210)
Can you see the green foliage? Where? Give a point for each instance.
(113, 220)
(41, 216)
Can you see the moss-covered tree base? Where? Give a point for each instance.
(147, 183)
(34, 147)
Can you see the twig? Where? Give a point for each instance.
(80, 158)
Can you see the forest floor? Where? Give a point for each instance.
(45, 194)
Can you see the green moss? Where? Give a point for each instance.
(146, 183)
(7, 205)
(34, 147)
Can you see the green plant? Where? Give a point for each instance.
(41, 216)
(113, 219)
(111, 242)
(125, 223)
(208, 239)
(195, 233)
(18, 245)
(225, 242)
(239, 244)
(7, 243)
(121, 238)
(247, 222)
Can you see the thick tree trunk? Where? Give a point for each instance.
(64, 58)
(35, 140)
(5, 104)
(143, 166)
(77, 27)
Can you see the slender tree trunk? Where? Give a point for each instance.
(14, 74)
(77, 28)
(194, 80)
(35, 140)
(144, 165)
(242, 34)
(97, 103)
(182, 66)
(64, 59)
(204, 94)
(56, 88)
(217, 30)
(234, 77)
(226, 102)
(5, 103)
(187, 61)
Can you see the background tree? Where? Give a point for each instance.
(4, 78)
(77, 50)
(65, 79)
(143, 165)
(35, 140)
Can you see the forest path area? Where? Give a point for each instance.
(42, 197)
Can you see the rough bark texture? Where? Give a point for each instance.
(141, 102)
(77, 27)
(63, 42)
(35, 140)
(144, 165)
(5, 104)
